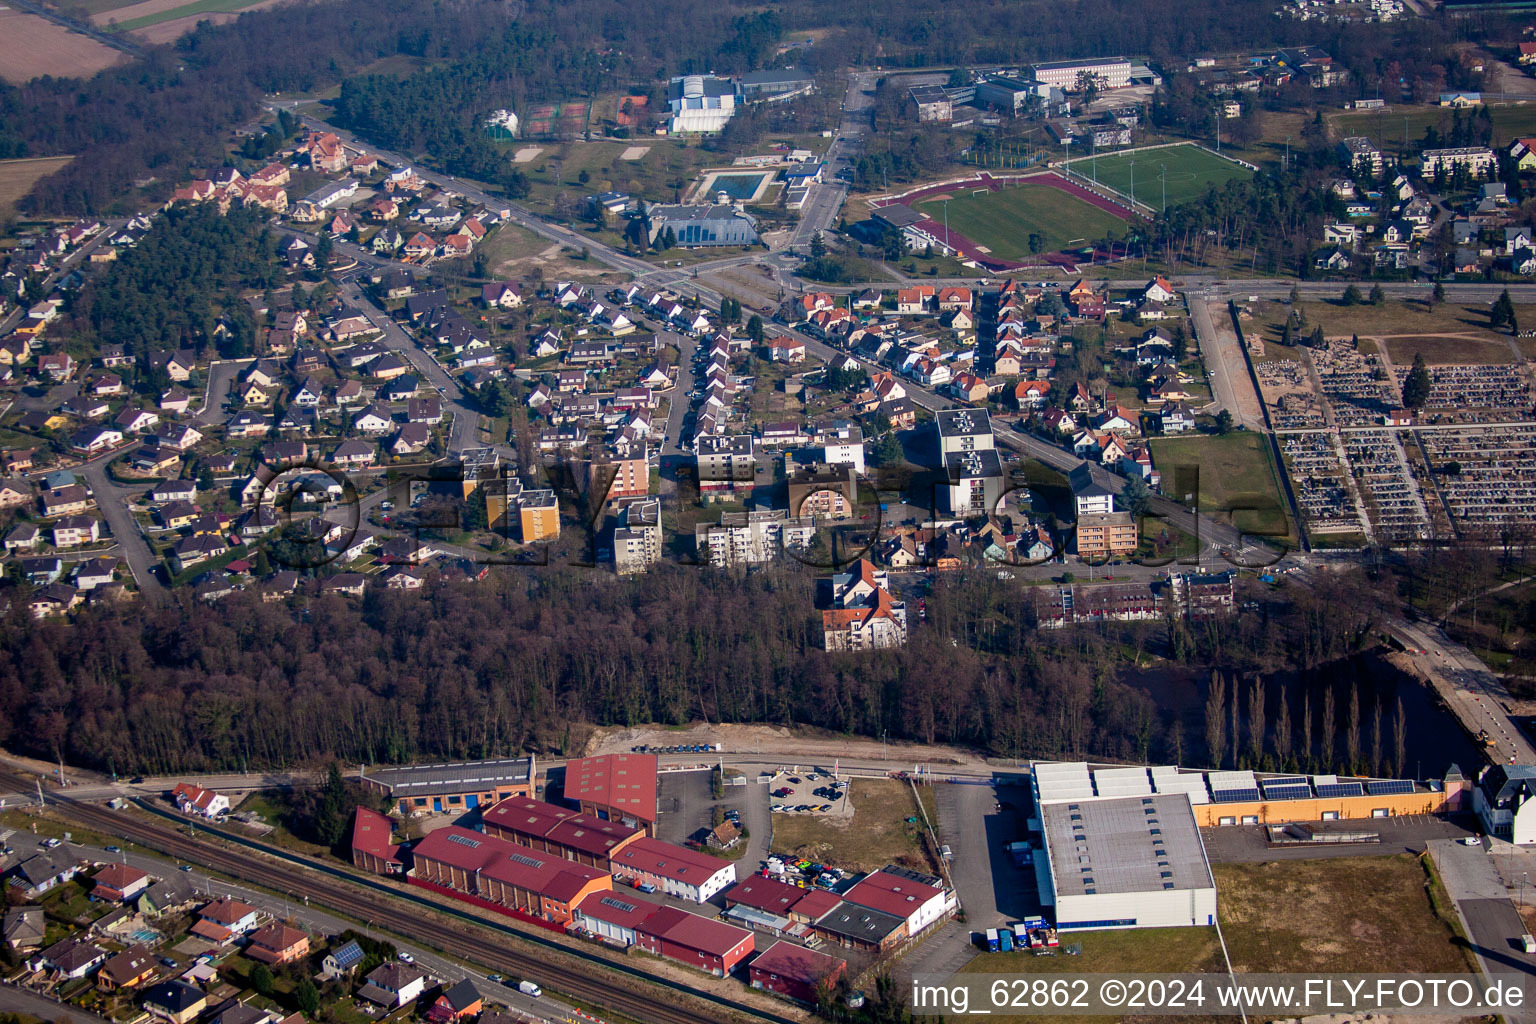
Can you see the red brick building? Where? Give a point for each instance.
(583, 838)
(698, 942)
(373, 848)
(615, 787)
(794, 971)
(537, 883)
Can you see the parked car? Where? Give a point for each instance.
(405, 957)
(646, 887)
(114, 849)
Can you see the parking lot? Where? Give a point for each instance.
(809, 793)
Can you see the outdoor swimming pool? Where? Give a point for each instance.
(736, 186)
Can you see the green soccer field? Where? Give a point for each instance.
(1189, 170)
(1003, 221)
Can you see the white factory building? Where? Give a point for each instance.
(700, 103)
(1121, 847)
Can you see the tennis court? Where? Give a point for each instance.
(1187, 170)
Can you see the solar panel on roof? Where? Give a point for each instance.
(525, 860)
(465, 841)
(609, 901)
(1232, 796)
(1387, 787)
(1289, 792)
(1284, 780)
(1336, 789)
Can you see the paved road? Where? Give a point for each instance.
(1225, 364)
(1482, 901)
(21, 1000)
(466, 420)
(111, 500)
(1473, 693)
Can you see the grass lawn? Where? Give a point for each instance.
(877, 834)
(1448, 350)
(18, 176)
(1385, 128)
(1235, 472)
(1129, 951)
(1308, 915)
(1190, 170)
(1389, 318)
(660, 175)
(196, 7)
(1003, 221)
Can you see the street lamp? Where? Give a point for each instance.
(1133, 182)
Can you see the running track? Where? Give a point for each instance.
(968, 248)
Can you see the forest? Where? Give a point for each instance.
(148, 122)
(519, 659)
(180, 283)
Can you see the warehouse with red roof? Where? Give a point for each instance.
(534, 882)
(918, 900)
(373, 846)
(699, 942)
(558, 830)
(766, 894)
(794, 971)
(613, 916)
(676, 870)
(615, 787)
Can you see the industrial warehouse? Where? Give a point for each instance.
(1121, 847)
(458, 786)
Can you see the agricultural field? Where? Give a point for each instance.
(32, 46)
(158, 21)
(1463, 351)
(1190, 170)
(1002, 221)
(18, 176)
(1235, 472)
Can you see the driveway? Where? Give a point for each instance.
(1482, 900)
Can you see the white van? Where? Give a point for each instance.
(528, 988)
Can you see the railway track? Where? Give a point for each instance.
(373, 902)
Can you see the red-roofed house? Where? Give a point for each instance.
(795, 971)
(561, 831)
(699, 942)
(900, 893)
(373, 848)
(676, 870)
(542, 885)
(197, 800)
(278, 944)
(224, 919)
(615, 787)
(119, 882)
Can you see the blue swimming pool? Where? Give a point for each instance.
(737, 186)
